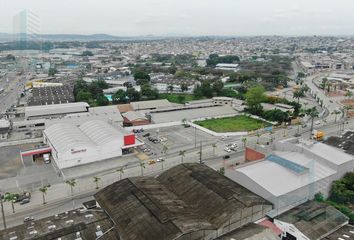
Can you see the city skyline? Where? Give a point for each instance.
(190, 18)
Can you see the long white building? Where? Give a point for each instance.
(91, 142)
(294, 172)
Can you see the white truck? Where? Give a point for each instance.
(46, 158)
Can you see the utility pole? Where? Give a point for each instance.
(2, 211)
(195, 137)
(200, 153)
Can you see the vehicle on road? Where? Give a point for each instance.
(46, 158)
(146, 135)
(227, 149)
(25, 201)
(151, 162)
(160, 160)
(28, 219)
(226, 157)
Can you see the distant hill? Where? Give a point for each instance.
(4, 37)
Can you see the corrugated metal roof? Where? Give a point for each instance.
(184, 199)
(55, 109)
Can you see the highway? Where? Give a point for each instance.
(13, 85)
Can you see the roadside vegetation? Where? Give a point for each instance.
(341, 196)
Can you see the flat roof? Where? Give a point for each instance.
(331, 154)
(279, 180)
(55, 109)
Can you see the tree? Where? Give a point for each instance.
(164, 149)
(133, 95)
(10, 197)
(120, 97)
(244, 141)
(312, 113)
(255, 96)
(170, 88)
(87, 54)
(71, 183)
(222, 170)
(258, 136)
(84, 96)
(184, 121)
(142, 166)
(121, 171)
(214, 147)
(298, 94)
(141, 77)
(349, 94)
(184, 87)
(102, 101)
(300, 75)
(96, 180)
(218, 87)
(148, 92)
(182, 153)
(44, 190)
(52, 72)
(335, 113)
(100, 84)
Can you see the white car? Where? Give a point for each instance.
(227, 150)
(160, 160)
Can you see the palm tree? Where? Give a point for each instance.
(142, 166)
(306, 103)
(244, 141)
(214, 147)
(336, 112)
(312, 113)
(305, 88)
(44, 190)
(258, 136)
(184, 121)
(10, 197)
(72, 184)
(328, 85)
(164, 149)
(182, 153)
(121, 171)
(349, 94)
(96, 180)
(298, 94)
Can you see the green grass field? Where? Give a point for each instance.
(233, 124)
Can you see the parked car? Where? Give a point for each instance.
(226, 157)
(28, 219)
(146, 135)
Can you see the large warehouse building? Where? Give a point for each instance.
(92, 141)
(293, 173)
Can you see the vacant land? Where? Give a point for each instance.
(233, 124)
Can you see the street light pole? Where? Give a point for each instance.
(2, 210)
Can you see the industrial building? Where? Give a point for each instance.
(92, 141)
(4, 129)
(293, 173)
(311, 221)
(51, 95)
(189, 201)
(55, 110)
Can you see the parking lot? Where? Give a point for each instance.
(19, 175)
(175, 138)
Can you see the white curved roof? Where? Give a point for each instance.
(65, 137)
(101, 132)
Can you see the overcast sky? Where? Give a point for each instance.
(190, 17)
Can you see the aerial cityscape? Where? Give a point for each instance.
(180, 120)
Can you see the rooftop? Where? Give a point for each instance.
(315, 220)
(250, 231)
(84, 223)
(184, 199)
